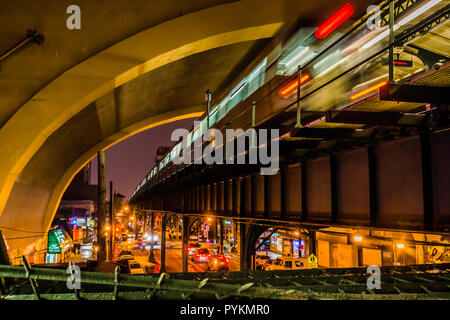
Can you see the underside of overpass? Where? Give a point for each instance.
(131, 67)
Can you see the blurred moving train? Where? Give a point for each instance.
(338, 64)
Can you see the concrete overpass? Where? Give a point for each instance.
(132, 66)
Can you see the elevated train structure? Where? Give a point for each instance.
(362, 112)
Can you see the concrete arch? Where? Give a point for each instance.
(52, 107)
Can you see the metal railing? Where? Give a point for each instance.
(399, 282)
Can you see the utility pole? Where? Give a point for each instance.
(111, 221)
(184, 244)
(221, 225)
(163, 243)
(208, 106)
(151, 256)
(101, 207)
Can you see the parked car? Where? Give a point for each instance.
(267, 263)
(218, 262)
(125, 255)
(135, 267)
(260, 259)
(202, 255)
(288, 263)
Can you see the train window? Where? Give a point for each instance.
(256, 79)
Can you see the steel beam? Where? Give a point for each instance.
(414, 93)
(378, 118)
(323, 133)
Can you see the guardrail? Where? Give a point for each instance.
(401, 282)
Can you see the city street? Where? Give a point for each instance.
(173, 258)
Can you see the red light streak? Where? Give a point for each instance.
(335, 21)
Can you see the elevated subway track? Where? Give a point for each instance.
(362, 157)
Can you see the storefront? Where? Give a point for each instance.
(286, 244)
(58, 244)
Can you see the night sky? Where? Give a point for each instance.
(128, 161)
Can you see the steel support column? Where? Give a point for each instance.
(163, 243)
(151, 256)
(252, 195)
(312, 242)
(266, 195)
(221, 224)
(283, 192)
(242, 196)
(184, 243)
(248, 235)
